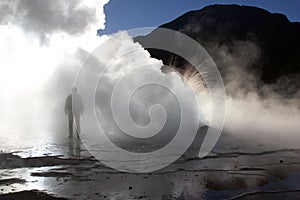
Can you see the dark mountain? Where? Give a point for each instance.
(261, 47)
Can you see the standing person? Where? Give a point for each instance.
(74, 108)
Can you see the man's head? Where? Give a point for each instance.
(74, 89)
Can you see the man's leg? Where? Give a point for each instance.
(77, 124)
(71, 147)
(77, 147)
(70, 116)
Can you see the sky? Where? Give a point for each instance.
(124, 15)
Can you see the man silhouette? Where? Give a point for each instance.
(74, 108)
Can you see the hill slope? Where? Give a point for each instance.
(247, 42)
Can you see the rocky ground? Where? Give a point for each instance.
(67, 171)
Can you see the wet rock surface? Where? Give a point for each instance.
(33, 194)
(71, 172)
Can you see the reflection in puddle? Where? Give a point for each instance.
(74, 147)
(23, 176)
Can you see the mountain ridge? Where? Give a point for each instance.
(243, 32)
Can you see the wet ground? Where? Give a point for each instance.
(66, 170)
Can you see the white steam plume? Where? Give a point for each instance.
(257, 116)
(42, 41)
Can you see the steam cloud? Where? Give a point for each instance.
(43, 18)
(132, 65)
(38, 72)
(257, 115)
(43, 44)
